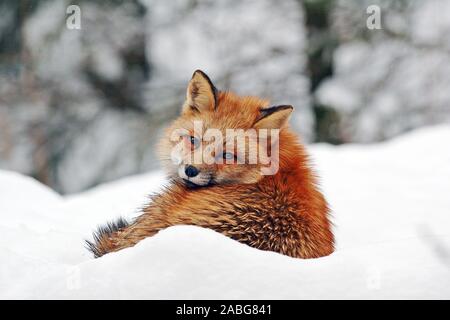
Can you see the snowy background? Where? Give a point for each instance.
(81, 111)
(391, 216)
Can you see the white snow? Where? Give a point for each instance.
(391, 213)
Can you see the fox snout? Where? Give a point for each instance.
(193, 176)
(191, 171)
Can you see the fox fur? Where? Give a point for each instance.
(284, 212)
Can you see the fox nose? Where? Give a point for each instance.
(191, 171)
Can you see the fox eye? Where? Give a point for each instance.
(228, 155)
(195, 142)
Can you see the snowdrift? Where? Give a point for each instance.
(391, 210)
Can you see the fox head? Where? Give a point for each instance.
(222, 138)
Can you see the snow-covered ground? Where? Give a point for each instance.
(391, 208)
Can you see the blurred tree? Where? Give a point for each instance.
(79, 107)
(391, 80)
(59, 85)
(322, 42)
(253, 47)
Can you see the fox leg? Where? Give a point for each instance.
(121, 234)
(161, 213)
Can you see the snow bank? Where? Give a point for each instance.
(391, 211)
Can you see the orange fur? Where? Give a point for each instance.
(285, 212)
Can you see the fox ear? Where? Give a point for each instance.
(273, 117)
(201, 94)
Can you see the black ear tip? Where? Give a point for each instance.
(200, 72)
(286, 107)
(268, 111)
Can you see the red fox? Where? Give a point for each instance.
(282, 211)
